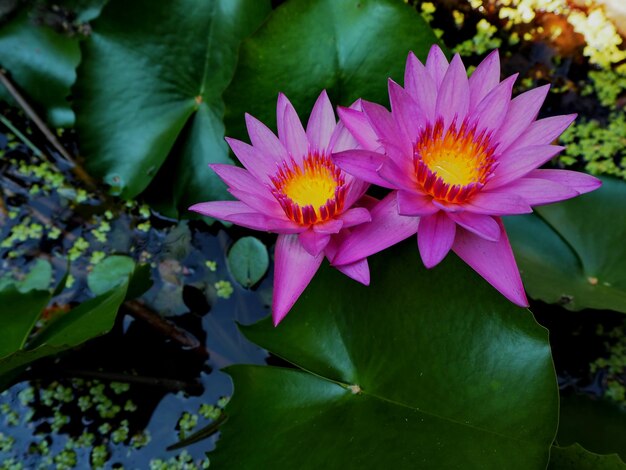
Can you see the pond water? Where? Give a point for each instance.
(121, 400)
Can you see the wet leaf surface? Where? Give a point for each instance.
(145, 95)
(387, 376)
(576, 457)
(349, 48)
(573, 253)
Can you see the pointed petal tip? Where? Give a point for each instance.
(194, 207)
(523, 302)
(278, 316)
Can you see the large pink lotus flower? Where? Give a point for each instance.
(459, 154)
(291, 187)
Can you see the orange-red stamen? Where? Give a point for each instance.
(453, 165)
(310, 192)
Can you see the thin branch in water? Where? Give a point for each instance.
(49, 135)
(22, 137)
(165, 327)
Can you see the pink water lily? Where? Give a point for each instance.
(291, 187)
(458, 153)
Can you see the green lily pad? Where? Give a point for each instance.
(248, 261)
(145, 95)
(573, 252)
(598, 425)
(38, 278)
(350, 48)
(43, 64)
(110, 272)
(576, 457)
(21, 313)
(423, 369)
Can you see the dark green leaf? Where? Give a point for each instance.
(450, 374)
(18, 316)
(573, 252)
(140, 281)
(248, 261)
(90, 319)
(350, 48)
(42, 63)
(575, 457)
(598, 425)
(143, 91)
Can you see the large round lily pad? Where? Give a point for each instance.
(349, 47)
(574, 252)
(149, 90)
(423, 369)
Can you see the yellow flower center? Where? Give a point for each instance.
(309, 192)
(455, 165)
(313, 187)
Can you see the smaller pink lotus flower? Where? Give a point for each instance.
(459, 154)
(291, 187)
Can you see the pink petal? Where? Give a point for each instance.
(329, 227)
(256, 162)
(265, 206)
(386, 228)
(580, 182)
(283, 226)
(290, 130)
(405, 111)
(264, 223)
(264, 140)
(355, 216)
(421, 86)
(494, 261)
(221, 209)
(359, 125)
(341, 139)
(516, 163)
(482, 225)
(543, 131)
(490, 112)
(400, 178)
(484, 78)
(537, 191)
(241, 179)
(356, 190)
(435, 236)
(321, 123)
(437, 65)
(367, 202)
(241, 214)
(359, 271)
(497, 203)
(294, 269)
(449, 207)
(362, 164)
(313, 242)
(522, 112)
(396, 143)
(414, 204)
(453, 97)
